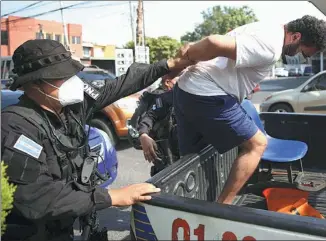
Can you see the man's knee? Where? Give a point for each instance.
(257, 143)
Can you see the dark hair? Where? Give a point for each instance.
(313, 31)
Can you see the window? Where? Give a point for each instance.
(317, 84)
(57, 37)
(48, 36)
(4, 37)
(87, 51)
(321, 83)
(39, 36)
(75, 40)
(5, 69)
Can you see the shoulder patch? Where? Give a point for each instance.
(91, 91)
(159, 103)
(28, 146)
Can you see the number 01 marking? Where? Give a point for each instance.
(200, 232)
(181, 223)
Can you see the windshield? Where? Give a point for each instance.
(95, 75)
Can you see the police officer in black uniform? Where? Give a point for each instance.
(157, 128)
(44, 143)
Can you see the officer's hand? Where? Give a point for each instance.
(149, 147)
(180, 61)
(132, 194)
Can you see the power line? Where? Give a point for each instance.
(71, 7)
(47, 12)
(22, 9)
(102, 5)
(35, 6)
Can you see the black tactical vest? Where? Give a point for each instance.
(71, 162)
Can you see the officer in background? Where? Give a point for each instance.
(157, 128)
(45, 146)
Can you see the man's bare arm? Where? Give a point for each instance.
(211, 47)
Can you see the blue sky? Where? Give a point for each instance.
(108, 22)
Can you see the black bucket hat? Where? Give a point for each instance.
(42, 59)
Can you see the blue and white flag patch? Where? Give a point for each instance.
(28, 146)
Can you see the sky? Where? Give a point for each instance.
(108, 22)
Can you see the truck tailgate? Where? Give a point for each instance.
(186, 208)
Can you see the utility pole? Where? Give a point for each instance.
(144, 37)
(143, 25)
(65, 38)
(140, 31)
(131, 21)
(132, 11)
(140, 23)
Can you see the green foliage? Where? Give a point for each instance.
(218, 20)
(159, 48)
(7, 192)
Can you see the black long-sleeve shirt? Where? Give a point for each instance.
(40, 191)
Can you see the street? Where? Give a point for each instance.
(134, 169)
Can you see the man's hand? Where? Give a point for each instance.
(132, 194)
(180, 61)
(149, 147)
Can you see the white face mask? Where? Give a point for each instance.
(296, 59)
(70, 92)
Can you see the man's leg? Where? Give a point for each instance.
(243, 167)
(230, 128)
(225, 124)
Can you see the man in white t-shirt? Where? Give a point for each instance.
(208, 96)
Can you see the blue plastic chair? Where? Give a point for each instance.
(278, 150)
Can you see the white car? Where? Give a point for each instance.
(281, 72)
(310, 97)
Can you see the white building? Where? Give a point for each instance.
(123, 59)
(142, 55)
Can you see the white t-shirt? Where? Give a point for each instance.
(259, 47)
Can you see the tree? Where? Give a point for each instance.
(218, 20)
(159, 48)
(7, 192)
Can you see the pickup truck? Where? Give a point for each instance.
(186, 208)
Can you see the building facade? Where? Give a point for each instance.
(103, 56)
(123, 59)
(17, 30)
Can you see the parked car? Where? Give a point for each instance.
(95, 76)
(281, 72)
(310, 97)
(256, 89)
(99, 142)
(112, 119)
(308, 71)
(295, 72)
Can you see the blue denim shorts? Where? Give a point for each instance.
(217, 120)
